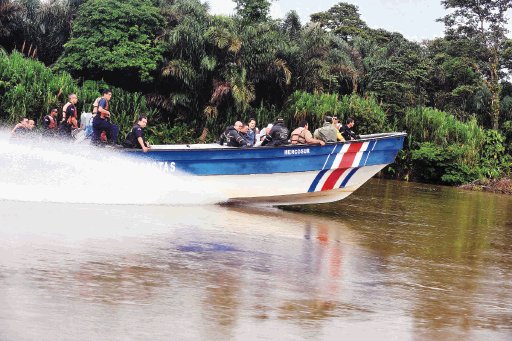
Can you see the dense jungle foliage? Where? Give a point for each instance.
(194, 73)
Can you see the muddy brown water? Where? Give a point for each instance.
(394, 261)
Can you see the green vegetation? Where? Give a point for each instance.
(113, 39)
(193, 73)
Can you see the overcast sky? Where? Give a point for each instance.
(415, 19)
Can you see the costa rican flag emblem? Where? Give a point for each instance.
(341, 164)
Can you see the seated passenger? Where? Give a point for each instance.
(135, 138)
(278, 135)
(261, 136)
(327, 132)
(232, 136)
(252, 131)
(69, 117)
(346, 130)
(86, 123)
(50, 126)
(337, 125)
(20, 128)
(302, 135)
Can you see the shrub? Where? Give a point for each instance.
(367, 113)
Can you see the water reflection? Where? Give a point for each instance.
(397, 261)
(442, 246)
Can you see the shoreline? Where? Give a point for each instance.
(502, 186)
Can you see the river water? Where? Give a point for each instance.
(394, 261)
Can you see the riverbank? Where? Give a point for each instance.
(503, 186)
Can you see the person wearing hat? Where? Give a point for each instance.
(278, 135)
(50, 126)
(327, 133)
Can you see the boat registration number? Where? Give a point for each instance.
(296, 151)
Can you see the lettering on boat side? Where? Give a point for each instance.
(296, 151)
(166, 166)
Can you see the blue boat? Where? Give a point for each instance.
(285, 175)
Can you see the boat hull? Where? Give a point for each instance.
(285, 175)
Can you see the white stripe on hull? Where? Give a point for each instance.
(287, 188)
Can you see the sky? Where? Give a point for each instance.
(414, 19)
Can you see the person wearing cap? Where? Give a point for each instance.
(50, 126)
(278, 134)
(327, 133)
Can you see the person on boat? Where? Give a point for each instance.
(263, 132)
(86, 123)
(277, 136)
(86, 120)
(243, 132)
(346, 130)
(96, 104)
(69, 117)
(302, 135)
(24, 129)
(101, 125)
(327, 132)
(135, 138)
(20, 128)
(50, 124)
(252, 132)
(337, 125)
(232, 136)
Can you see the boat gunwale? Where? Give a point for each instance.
(189, 148)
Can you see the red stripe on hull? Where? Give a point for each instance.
(345, 163)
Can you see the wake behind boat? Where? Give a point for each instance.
(284, 175)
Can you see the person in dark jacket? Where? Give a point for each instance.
(346, 130)
(135, 138)
(50, 124)
(102, 129)
(277, 136)
(232, 136)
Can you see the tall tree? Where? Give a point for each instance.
(253, 10)
(116, 41)
(342, 19)
(482, 21)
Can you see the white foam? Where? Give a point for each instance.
(44, 170)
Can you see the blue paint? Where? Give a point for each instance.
(268, 160)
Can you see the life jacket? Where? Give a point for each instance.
(69, 119)
(106, 108)
(53, 122)
(298, 136)
(95, 105)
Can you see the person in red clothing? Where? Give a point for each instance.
(69, 117)
(50, 125)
